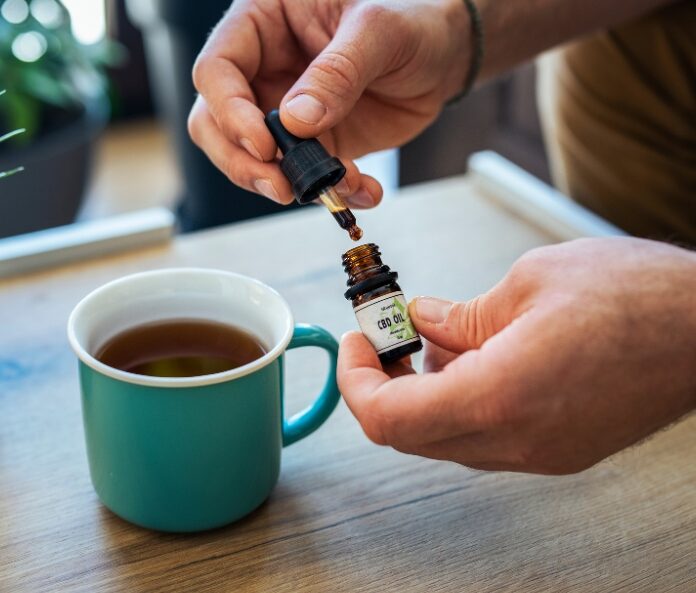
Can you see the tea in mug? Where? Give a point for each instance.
(180, 348)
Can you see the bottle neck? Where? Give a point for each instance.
(363, 262)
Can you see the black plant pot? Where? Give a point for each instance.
(174, 32)
(57, 166)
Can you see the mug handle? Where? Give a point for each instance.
(308, 420)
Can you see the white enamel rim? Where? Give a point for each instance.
(199, 381)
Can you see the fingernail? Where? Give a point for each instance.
(361, 199)
(432, 310)
(342, 187)
(306, 108)
(349, 334)
(265, 187)
(248, 145)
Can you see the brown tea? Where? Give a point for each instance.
(180, 348)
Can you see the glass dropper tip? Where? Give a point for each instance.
(355, 232)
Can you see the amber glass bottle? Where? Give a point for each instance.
(379, 304)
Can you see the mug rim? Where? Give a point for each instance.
(196, 381)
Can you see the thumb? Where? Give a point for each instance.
(458, 327)
(327, 91)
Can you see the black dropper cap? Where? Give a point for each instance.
(306, 164)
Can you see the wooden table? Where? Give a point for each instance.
(346, 515)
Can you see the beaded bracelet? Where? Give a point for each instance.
(477, 42)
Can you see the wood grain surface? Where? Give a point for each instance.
(346, 515)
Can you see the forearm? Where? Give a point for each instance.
(518, 30)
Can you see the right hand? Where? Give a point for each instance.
(583, 349)
(363, 75)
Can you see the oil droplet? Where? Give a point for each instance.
(355, 232)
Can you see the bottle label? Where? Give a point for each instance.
(385, 322)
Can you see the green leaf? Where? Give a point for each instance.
(11, 134)
(10, 172)
(48, 89)
(21, 111)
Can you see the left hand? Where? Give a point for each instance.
(583, 349)
(362, 75)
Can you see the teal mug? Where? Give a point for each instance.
(191, 453)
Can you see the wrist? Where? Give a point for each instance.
(686, 315)
(460, 55)
(692, 311)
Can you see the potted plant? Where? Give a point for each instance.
(58, 95)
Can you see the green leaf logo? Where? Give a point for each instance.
(399, 306)
(408, 331)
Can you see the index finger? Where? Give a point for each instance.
(222, 73)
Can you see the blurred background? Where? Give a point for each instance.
(102, 90)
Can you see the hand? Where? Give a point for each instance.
(362, 75)
(583, 349)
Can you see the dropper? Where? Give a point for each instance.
(312, 173)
